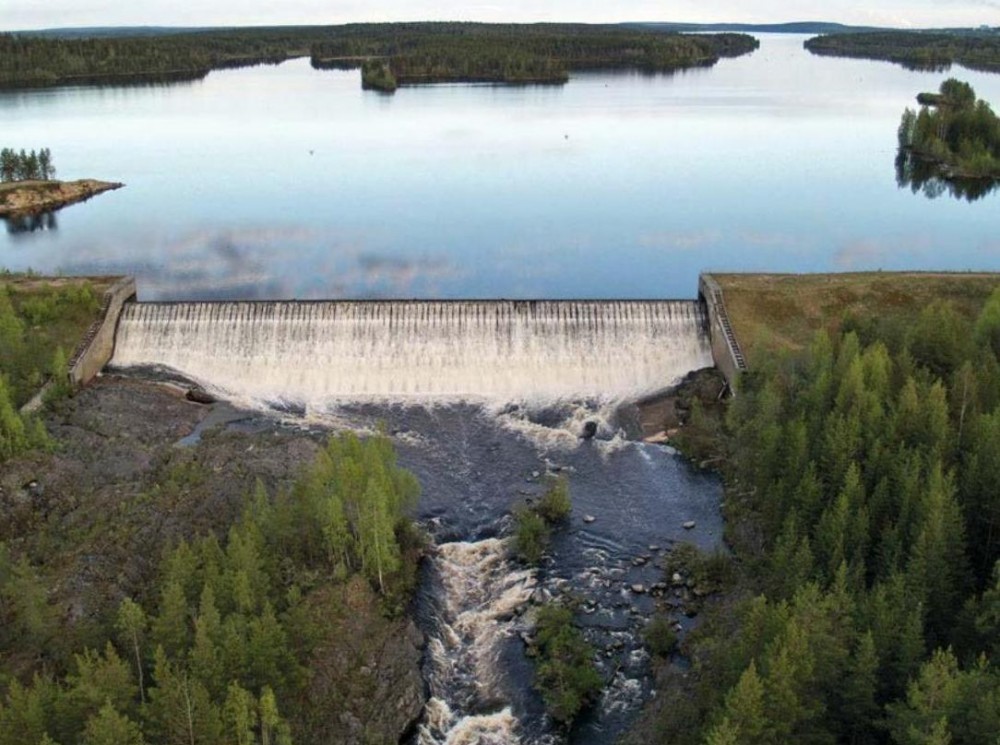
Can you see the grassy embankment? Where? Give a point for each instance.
(782, 312)
(38, 317)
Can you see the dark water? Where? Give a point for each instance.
(474, 465)
(289, 182)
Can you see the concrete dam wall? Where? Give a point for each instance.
(311, 353)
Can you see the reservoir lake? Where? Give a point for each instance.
(288, 182)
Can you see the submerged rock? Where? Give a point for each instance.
(689, 525)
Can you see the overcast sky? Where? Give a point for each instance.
(25, 14)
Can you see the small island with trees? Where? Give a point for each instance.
(954, 139)
(28, 185)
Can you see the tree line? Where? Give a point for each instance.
(954, 130)
(916, 50)
(863, 505)
(223, 647)
(23, 166)
(452, 49)
(395, 54)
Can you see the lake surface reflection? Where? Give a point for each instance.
(290, 182)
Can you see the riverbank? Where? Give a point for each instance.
(25, 198)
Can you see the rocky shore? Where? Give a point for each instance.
(24, 198)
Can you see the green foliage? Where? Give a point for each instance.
(863, 506)
(555, 504)
(416, 52)
(987, 330)
(918, 50)
(38, 322)
(108, 727)
(954, 129)
(531, 536)
(660, 637)
(21, 166)
(564, 670)
(533, 524)
(220, 656)
(60, 386)
(376, 75)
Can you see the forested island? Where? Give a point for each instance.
(955, 139)
(916, 50)
(411, 52)
(400, 54)
(863, 509)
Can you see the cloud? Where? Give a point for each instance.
(680, 241)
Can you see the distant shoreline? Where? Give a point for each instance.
(25, 198)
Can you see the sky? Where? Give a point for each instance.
(30, 14)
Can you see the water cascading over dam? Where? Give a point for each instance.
(315, 353)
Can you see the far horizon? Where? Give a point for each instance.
(28, 15)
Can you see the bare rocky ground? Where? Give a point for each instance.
(134, 469)
(21, 198)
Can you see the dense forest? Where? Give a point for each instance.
(863, 507)
(417, 52)
(541, 53)
(916, 50)
(954, 131)
(241, 636)
(22, 166)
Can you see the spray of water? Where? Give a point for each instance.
(479, 596)
(314, 354)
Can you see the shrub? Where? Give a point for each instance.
(660, 637)
(555, 505)
(565, 674)
(531, 536)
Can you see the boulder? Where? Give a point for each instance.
(199, 396)
(589, 429)
(689, 525)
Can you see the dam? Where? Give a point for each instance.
(315, 353)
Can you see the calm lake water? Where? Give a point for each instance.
(290, 182)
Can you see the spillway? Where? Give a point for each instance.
(316, 353)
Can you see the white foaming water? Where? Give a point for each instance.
(480, 591)
(319, 353)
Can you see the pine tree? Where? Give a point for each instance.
(937, 567)
(99, 680)
(131, 626)
(204, 658)
(171, 628)
(108, 727)
(743, 711)
(859, 710)
(180, 710)
(240, 715)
